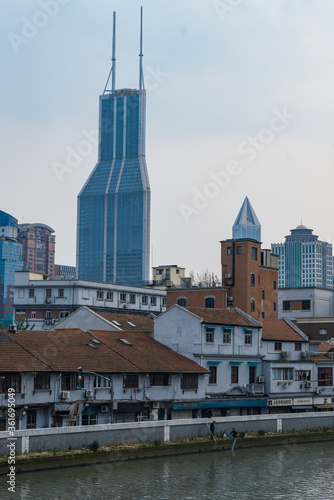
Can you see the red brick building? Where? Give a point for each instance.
(251, 276)
(208, 297)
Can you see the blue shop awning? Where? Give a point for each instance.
(213, 363)
(253, 363)
(236, 363)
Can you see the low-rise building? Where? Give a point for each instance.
(46, 302)
(308, 302)
(71, 377)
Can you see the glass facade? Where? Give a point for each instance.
(246, 224)
(304, 261)
(114, 204)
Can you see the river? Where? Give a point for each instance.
(294, 472)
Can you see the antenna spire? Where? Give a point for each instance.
(141, 76)
(113, 58)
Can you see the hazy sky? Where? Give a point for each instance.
(239, 102)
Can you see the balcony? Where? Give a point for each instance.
(255, 388)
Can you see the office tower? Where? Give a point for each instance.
(10, 261)
(39, 246)
(304, 261)
(114, 205)
(246, 224)
(249, 273)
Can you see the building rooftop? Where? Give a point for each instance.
(224, 316)
(282, 330)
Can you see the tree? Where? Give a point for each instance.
(22, 323)
(204, 279)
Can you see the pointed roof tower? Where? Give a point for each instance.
(246, 224)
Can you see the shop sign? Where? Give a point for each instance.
(302, 401)
(279, 402)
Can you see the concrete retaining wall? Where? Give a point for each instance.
(64, 438)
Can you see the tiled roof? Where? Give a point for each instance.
(66, 350)
(147, 354)
(223, 316)
(278, 329)
(130, 322)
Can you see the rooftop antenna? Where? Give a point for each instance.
(113, 58)
(141, 77)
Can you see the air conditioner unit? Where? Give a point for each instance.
(304, 354)
(228, 276)
(229, 299)
(308, 384)
(65, 395)
(318, 390)
(156, 404)
(48, 301)
(104, 408)
(89, 394)
(284, 354)
(260, 379)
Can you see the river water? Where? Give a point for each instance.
(294, 472)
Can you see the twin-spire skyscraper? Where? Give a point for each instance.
(113, 234)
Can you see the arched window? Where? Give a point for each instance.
(210, 302)
(252, 279)
(182, 302)
(252, 305)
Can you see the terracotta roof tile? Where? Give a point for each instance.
(278, 329)
(130, 322)
(222, 316)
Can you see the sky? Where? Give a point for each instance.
(239, 103)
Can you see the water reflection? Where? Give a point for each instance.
(297, 472)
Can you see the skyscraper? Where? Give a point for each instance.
(114, 205)
(304, 261)
(246, 224)
(10, 261)
(39, 246)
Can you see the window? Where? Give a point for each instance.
(153, 301)
(48, 293)
(306, 305)
(63, 314)
(60, 293)
(322, 331)
(262, 294)
(21, 293)
(33, 314)
(132, 298)
(69, 381)
(252, 279)
(131, 381)
(164, 301)
(144, 299)
(102, 382)
(48, 314)
(85, 293)
(239, 250)
(10, 380)
(254, 253)
(182, 302)
(122, 297)
(210, 335)
(252, 305)
(274, 306)
(286, 305)
(226, 336)
(99, 295)
(275, 285)
(189, 381)
(210, 302)
(282, 374)
(278, 346)
(248, 337)
(89, 419)
(303, 375)
(42, 381)
(213, 375)
(234, 374)
(262, 315)
(325, 376)
(31, 293)
(252, 374)
(298, 346)
(160, 379)
(31, 419)
(229, 250)
(110, 296)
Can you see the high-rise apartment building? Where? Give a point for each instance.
(10, 261)
(304, 261)
(114, 205)
(39, 244)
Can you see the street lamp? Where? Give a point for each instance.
(81, 370)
